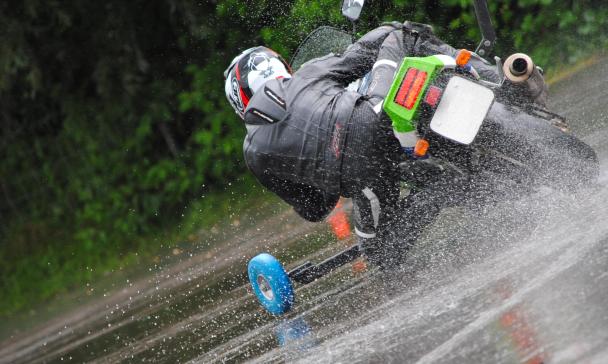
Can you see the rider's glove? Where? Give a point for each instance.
(394, 24)
(419, 27)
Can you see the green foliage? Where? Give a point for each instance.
(554, 32)
(114, 118)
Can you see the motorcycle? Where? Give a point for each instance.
(465, 126)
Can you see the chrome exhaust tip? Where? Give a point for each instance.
(518, 67)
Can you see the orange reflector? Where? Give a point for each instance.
(422, 146)
(359, 266)
(432, 96)
(463, 57)
(339, 222)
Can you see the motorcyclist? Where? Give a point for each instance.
(310, 141)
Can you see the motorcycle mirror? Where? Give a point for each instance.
(485, 25)
(352, 9)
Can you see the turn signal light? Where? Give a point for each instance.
(463, 57)
(421, 148)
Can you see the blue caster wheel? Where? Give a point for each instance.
(270, 283)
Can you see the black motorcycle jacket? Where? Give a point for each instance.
(296, 127)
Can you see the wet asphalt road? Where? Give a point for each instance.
(524, 281)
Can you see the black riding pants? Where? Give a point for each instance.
(370, 171)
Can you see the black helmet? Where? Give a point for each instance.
(249, 71)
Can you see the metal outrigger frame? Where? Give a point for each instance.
(308, 272)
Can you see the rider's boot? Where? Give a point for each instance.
(370, 248)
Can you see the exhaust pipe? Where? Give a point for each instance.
(520, 70)
(518, 67)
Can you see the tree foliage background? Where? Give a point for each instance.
(113, 115)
